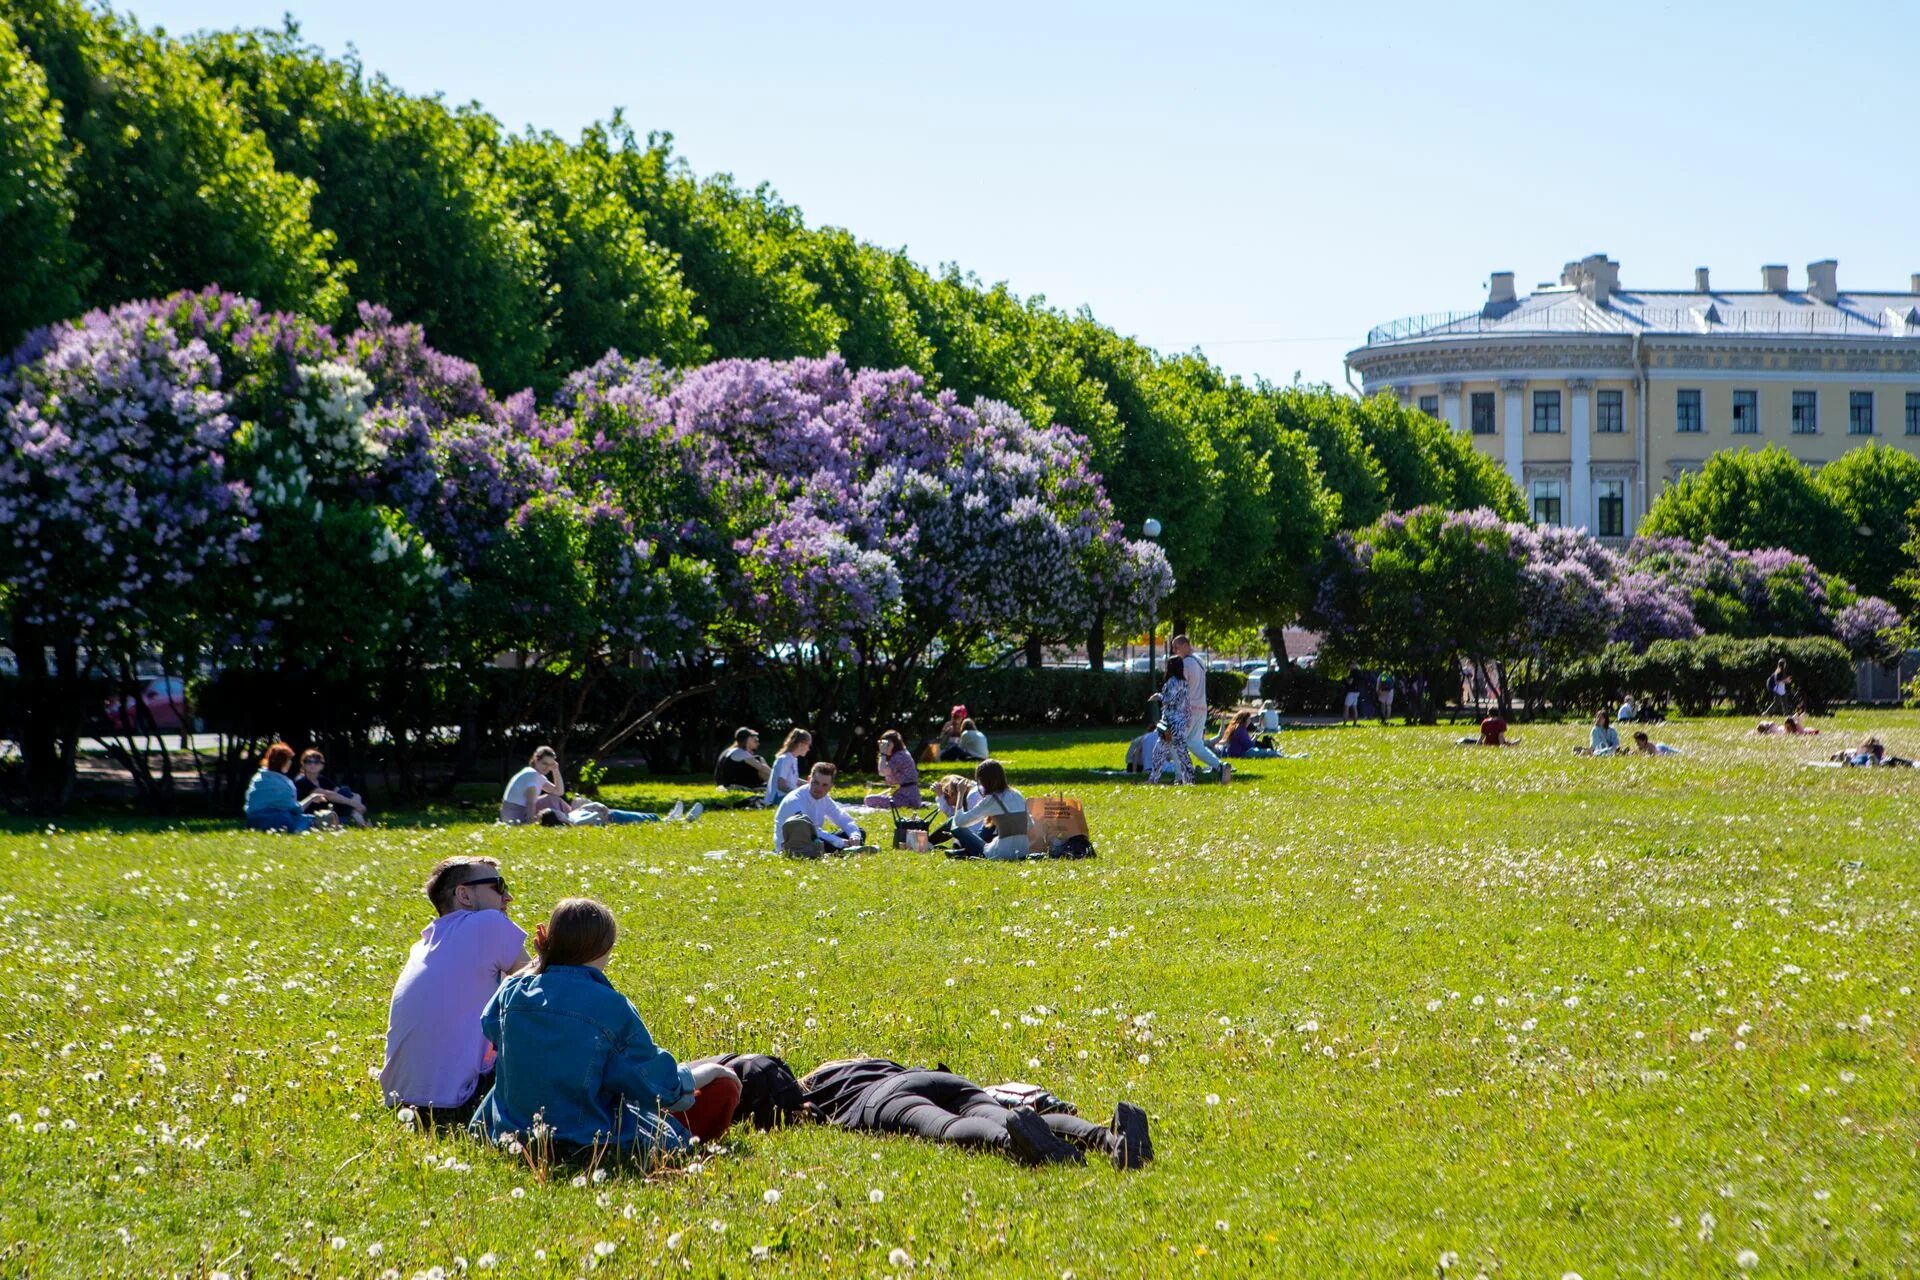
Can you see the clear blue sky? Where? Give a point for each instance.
(1262, 181)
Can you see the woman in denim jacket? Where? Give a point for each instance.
(575, 1057)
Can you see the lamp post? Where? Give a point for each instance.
(1152, 529)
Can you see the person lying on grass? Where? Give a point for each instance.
(577, 1072)
(1871, 753)
(539, 794)
(438, 1062)
(1646, 746)
(272, 803)
(1493, 733)
(800, 823)
(877, 1095)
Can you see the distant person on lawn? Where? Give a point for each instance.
(539, 794)
(1383, 694)
(878, 1095)
(786, 767)
(955, 794)
(1004, 807)
(437, 1060)
(1238, 742)
(947, 742)
(273, 804)
(574, 1055)
(1643, 745)
(1603, 739)
(739, 766)
(1194, 672)
(899, 772)
(346, 805)
(800, 824)
(973, 743)
(1167, 756)
(1493, 733)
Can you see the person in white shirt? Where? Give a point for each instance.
(538, 794)
(1194, 673)
(973, 743)
(786, 767)
(954, 794)
(1006, 808)
(800, 823)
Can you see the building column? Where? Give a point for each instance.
(1580, 481)
(1516, 428)
(1450, 405)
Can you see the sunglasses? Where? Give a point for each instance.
(499, 885)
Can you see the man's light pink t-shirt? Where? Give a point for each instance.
(435, 1049)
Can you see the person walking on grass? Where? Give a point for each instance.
(1194, 672)
(1383, 694)
(437, 1060)
(577, 1070)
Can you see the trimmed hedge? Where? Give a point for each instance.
(1697, 675)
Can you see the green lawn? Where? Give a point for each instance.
(1387, 1004)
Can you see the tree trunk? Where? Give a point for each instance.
(1097, 643)
(1035, 656)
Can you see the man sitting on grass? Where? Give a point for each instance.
(800, 823)
(438, 1061)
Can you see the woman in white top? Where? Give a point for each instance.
(954, 794)
(786, 767)
(1007, 809)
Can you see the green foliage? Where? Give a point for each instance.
(1696, 676)
(1751, 499)
(871, 290)
(1425, 463)
(414, 192)
(40, 273)
(1348, 466)
(1875, 488)
(170, 187)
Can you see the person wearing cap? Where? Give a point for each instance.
(947, 742)
(438, 1062)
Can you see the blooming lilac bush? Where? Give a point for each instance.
(1869, 628)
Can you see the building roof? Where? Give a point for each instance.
(1565, 309)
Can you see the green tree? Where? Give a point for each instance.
(612, 287)
(414, 191)
(1875, 488)
(1348, 467)
(1752, 500)
(40, 272)
(1427, 464)
(868, 288)
(737, 250)
(170, 187)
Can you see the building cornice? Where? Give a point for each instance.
(1587, 355)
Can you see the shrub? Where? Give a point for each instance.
(1697, 675)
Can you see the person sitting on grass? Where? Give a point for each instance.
(437, 1060)
(539, 794)
(577, 1072)
(1646, 746)
(274, 805)
(954, 794)
(800, 823)
(878, 1095)
(1237, 742)
(946, 743)
(1004, 807)
(1603, 739)
(1627, 710)
(1493, 733)
(898, 771)
(346, 805)
(973, 743)
(1168, 757)
(738, 766)
(786, 767)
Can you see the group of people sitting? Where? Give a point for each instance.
(1604, 740)
(542, 1053)
(810, 823)
(278, 800)
(740, 765)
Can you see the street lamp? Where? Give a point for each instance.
(1152, 529)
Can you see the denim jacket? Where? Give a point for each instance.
(574, 1051)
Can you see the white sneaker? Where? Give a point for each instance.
(1226, 772)
(696, 811)
(679, 807)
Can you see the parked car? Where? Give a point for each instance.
(1254, 676)
(164, 698)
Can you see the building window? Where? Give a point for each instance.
(1913, 413)
(1746, 413)
(1430, 405)
(1546, 498)
(1860, 413)
(1546, 413)
(1483, 413)
(1610, 508)
(1611, 406)
(1806, 414)
(1686, 412)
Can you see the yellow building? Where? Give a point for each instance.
(1596, 397)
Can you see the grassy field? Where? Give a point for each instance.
(1395, 1009)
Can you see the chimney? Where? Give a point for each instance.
(1700, 284)
(1595, 275)
(1500, 288)
(1773, 278)
(1823, 280)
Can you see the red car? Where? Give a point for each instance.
(164, 699)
